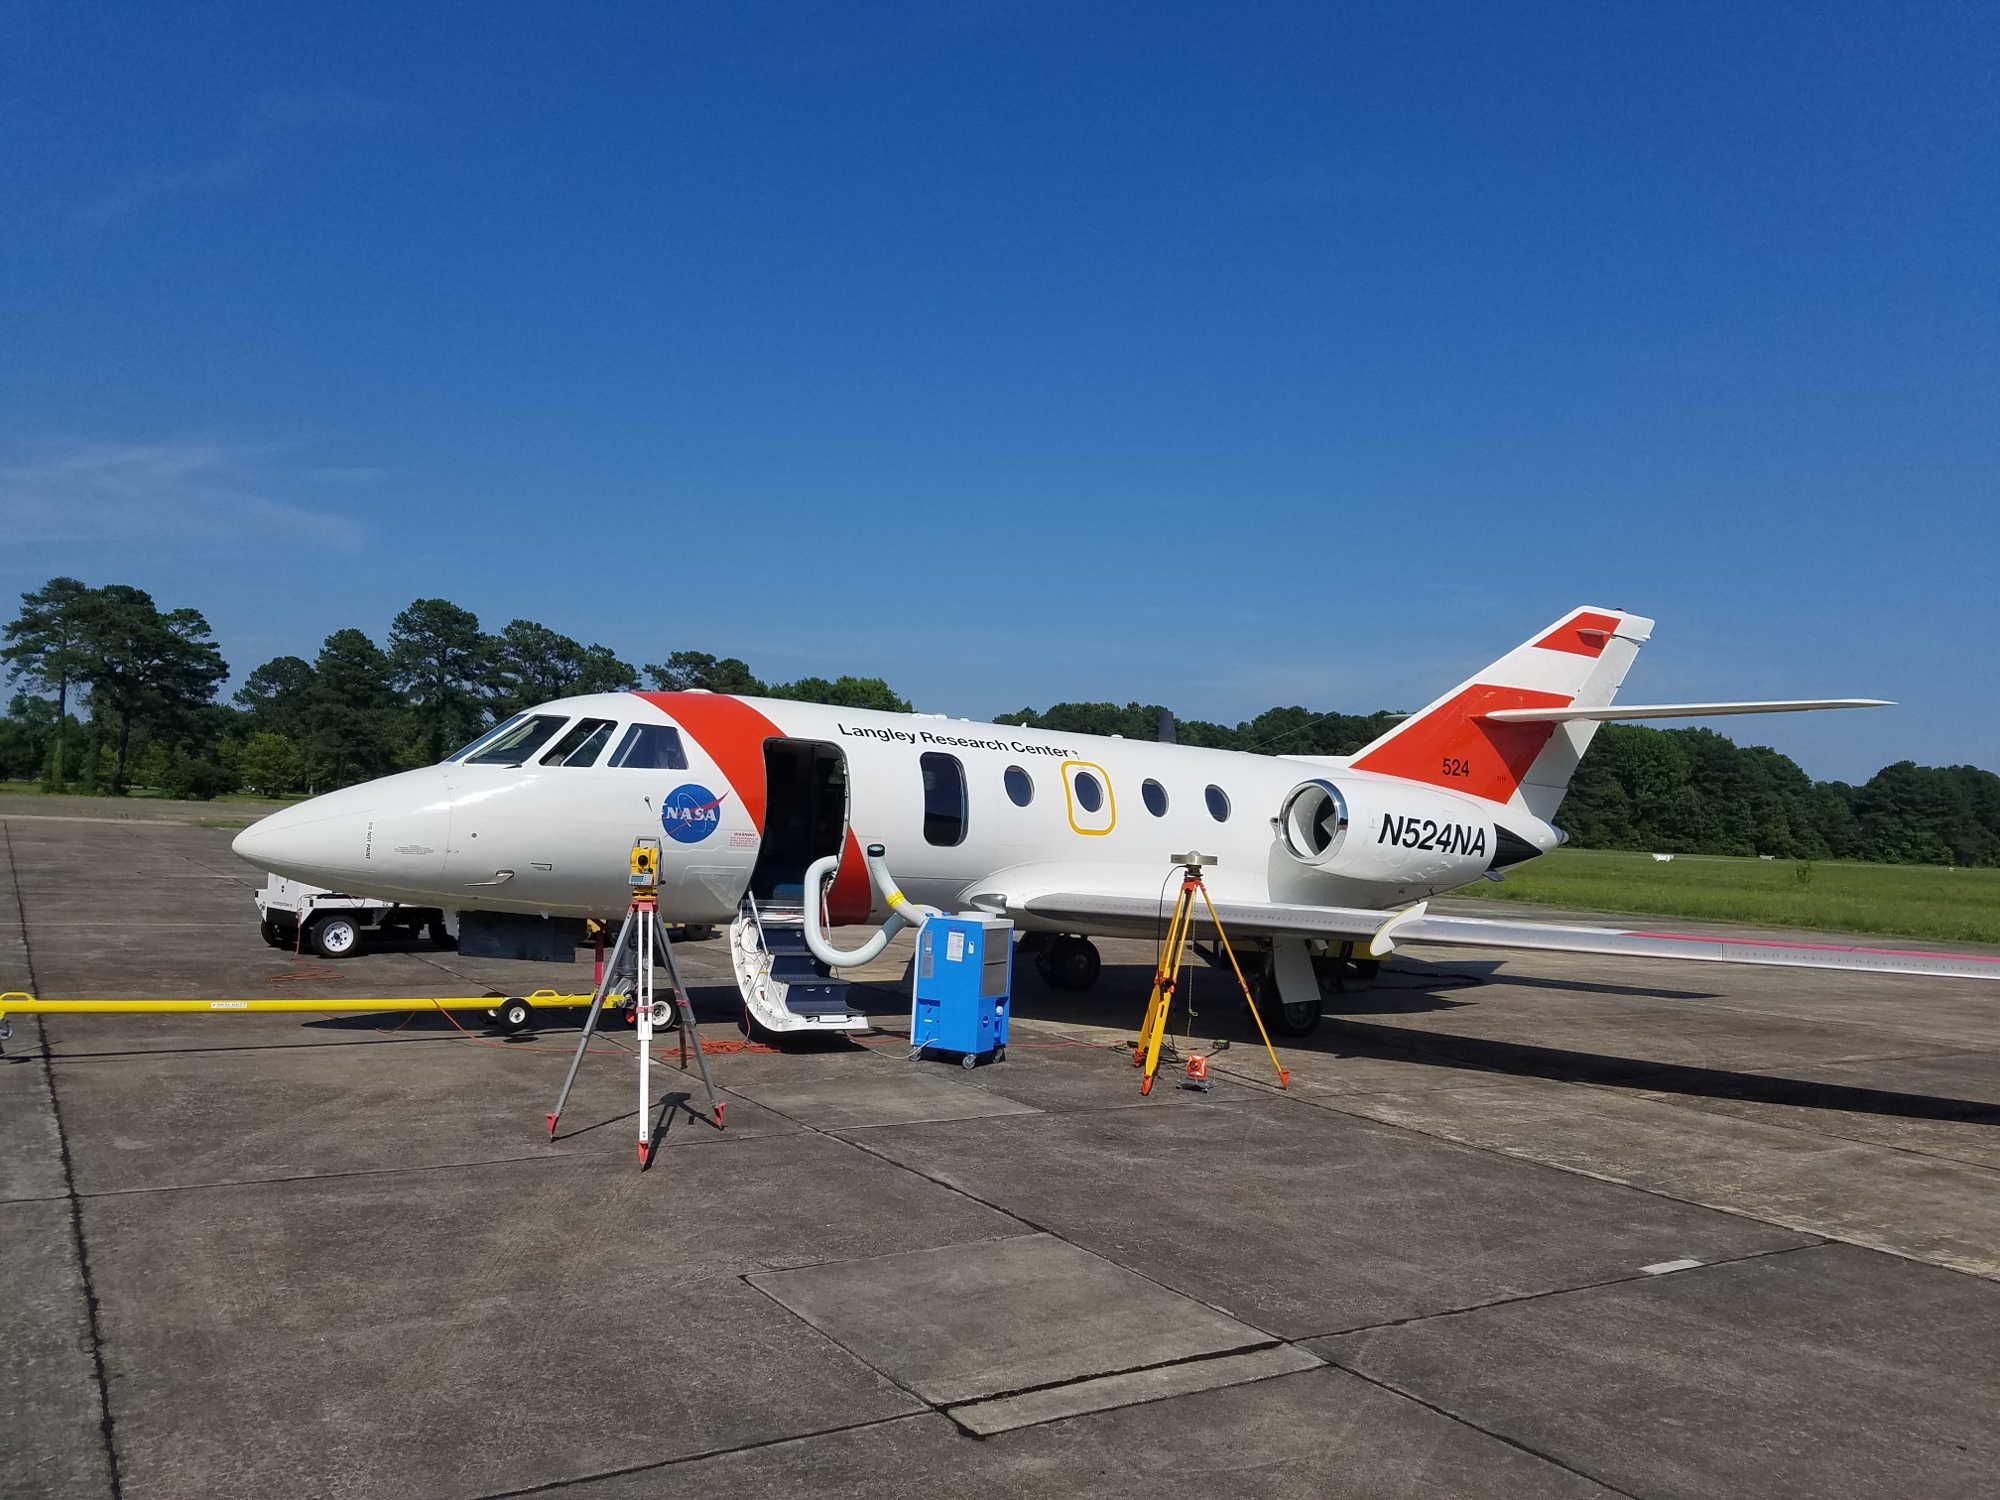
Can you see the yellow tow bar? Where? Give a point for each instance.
(24, 1004)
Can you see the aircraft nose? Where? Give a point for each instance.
(383, 838)
(321, 841)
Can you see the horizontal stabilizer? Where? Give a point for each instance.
(1616, 711)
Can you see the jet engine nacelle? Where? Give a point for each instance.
(1395, 832)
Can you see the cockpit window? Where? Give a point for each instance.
(492, 734)
(651, 747)
(521, 738)
(583, 744)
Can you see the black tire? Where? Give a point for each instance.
(1365, 969)
(275, 935)
(1071, 963)
(440, 936)
(514, 1015)
(1286, 1020)
(334, 936)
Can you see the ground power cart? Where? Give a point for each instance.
(962, 989)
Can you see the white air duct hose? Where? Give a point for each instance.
(903, 912)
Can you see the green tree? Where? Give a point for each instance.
(438, 657)
(354, 719)
(272, 765)
(144, 667)
(697, 669)
(278, 697)
(843, 692)
(45, 645)
(530, 664)
(27, 736)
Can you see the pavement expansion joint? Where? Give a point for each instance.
(596, 1476)
(1494, 1434)
(1640, 1273)
(79, 1236)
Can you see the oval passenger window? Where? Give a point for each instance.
(1156, 798)
(1020, 786)
(1218, 804)
(1089, 792)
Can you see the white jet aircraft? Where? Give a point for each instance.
(527, 831)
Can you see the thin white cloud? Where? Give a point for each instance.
(269, 121)
(208, 494)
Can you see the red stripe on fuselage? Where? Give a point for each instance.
(732, 733)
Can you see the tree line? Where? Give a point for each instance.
(117, 693)
(120, 694)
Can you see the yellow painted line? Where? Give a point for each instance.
(17, 1002)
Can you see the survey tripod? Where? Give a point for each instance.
(642, 937)
(1173, 960)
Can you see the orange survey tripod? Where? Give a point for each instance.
(1173, 960)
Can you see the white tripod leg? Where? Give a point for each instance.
(643, 995)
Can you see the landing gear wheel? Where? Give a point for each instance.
(334, 937)
(1365, 969)
(514, 1015)
(440, 936)
(1286, 1020)
(1069, 963)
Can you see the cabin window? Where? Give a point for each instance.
(944, 800)
(520, 741)
(1020, 786)
(492, 734)
(651, 747)
(1089, 792)
(1156, 798)
(583, 744)
(1218, 804)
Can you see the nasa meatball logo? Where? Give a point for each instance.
(690, 813)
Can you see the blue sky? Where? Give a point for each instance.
(1219, 355)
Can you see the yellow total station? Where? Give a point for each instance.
(645, 866)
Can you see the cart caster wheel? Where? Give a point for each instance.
(968, 1062)
(1000, 1054)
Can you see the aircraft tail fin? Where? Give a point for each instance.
(1577, 662)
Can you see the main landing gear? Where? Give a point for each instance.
(1068, 963)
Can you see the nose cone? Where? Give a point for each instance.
(384, 838)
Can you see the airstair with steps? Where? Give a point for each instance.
(785, 989)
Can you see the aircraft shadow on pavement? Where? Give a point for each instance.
(1563, 1065)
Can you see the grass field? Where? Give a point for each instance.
(228, 799)
(1928, 901)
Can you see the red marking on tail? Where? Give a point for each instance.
(1452, 746)
(1585, 635)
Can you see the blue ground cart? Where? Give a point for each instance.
(963, 988)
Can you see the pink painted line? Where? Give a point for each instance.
(1682, 937)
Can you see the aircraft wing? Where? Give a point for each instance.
(1380, 932)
